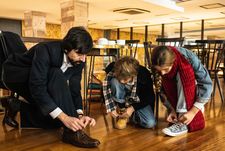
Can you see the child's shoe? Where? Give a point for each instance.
(176, 129)
(120, 122)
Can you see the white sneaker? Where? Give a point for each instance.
(176, 129)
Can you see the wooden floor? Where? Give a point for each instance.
(131, 139)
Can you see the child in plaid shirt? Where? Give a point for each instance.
(128, 93)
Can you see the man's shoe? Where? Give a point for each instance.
(79, 138)
(11, 108)
(176, 129)
(10, 121)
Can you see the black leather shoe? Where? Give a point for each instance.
(11, 106)
(79, 138)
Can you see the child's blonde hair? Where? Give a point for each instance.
(126, 67)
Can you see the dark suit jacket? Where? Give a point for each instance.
(32, 68)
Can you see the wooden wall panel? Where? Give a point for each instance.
(113, 35)
(96, 33)
(53, 31)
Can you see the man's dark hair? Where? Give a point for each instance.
(79, 39)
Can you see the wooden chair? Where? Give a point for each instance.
(90, 91)
(178, 42)
(211, 54)
(148, 50)
(130, 49)
(9, 43)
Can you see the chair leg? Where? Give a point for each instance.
(157, 108)
(1, 108)
(89, 107)
(102, 102)
(214, 87)
(219, 87)
(12, 107)
(224, 74)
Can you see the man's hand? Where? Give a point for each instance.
(72, 123)
(114, 114)
(128, 112)
(87, 120)
(172, 117)
(186, 118)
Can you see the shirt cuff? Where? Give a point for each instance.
(55, 112)
(199, 105)
(80, 111)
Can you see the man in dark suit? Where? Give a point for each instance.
(48, 76)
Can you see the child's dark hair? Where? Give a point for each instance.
(79, 39)
(162, 55)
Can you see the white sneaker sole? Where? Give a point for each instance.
(169, 133)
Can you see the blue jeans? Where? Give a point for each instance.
(118, 91)
(143, 117)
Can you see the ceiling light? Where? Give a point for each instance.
(166, 3)
(212, 6)
(131, 11)
(217, 26)
(110, 26)
(161, 14)
(180, 18)
(181, 1)
(92, 23)
(141, 23)
(206, 23)
(121, 20)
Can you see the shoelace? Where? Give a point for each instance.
(83, 135)
(176, 126)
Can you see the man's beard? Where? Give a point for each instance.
(75, 63)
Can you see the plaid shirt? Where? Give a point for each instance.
(109, 102)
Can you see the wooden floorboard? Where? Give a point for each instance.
(133, 138)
